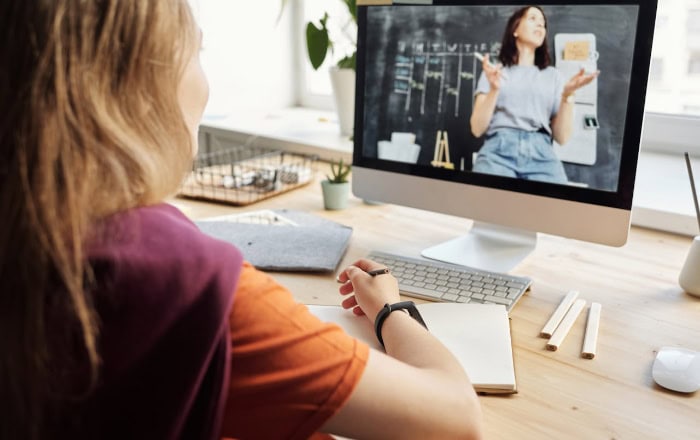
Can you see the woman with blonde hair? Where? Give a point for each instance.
(118, 318)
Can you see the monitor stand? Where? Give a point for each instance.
(486, 246)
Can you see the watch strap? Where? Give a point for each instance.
(385, 311)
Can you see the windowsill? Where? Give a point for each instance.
(302, 130)
(662, 195)
(662, 199)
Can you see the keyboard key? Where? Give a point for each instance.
(422, 292)
(497, 300)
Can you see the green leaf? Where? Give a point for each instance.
(339, 172)
(317, 42)
(348, 62)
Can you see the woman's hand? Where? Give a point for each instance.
(371, 292)
(579, 80)
(494, 74)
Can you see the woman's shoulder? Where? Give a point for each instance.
(159, 245)
(160, 228)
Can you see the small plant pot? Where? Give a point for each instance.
(335, 195)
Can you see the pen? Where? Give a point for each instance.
(371, 273)
(376, 272)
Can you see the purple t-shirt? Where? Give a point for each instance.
(163, 299)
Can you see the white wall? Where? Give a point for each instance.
(248, 55)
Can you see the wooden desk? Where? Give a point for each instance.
(561, 395)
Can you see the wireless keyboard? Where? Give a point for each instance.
(436, 281)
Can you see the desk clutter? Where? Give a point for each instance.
(283, 239)
(243, 174)
(559, 324)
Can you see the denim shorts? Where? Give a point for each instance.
(522, 154)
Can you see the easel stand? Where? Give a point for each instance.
(442, 151)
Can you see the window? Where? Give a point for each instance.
(673, 92)
(694, 63)
(316, 84)
(693, 21)
(247, 55)
(656, 70)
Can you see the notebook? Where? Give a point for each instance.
(478, 335)
(282, 239)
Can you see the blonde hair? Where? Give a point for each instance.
(93, 126)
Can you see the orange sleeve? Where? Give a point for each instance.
(290, 372)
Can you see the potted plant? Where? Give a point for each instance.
(319, 44)
(336, 187)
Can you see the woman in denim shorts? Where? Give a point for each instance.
(523, 104)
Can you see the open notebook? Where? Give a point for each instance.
(478, 335)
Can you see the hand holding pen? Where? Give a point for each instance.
(370, 291)
(494, 73)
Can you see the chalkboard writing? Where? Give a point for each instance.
(421, 73)
(421, 69)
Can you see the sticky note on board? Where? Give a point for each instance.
(576, 50)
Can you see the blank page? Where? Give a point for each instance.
(478, 335)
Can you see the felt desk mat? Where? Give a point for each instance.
(313, 245)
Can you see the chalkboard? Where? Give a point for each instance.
(420, 74)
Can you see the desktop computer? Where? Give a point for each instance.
(524, 119)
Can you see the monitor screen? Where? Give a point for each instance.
(524, 116)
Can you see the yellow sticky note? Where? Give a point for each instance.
(576, 50)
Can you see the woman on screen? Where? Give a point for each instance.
(524, 103)
(119, 319)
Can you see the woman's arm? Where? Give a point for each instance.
(563, 121)
(418, 389)
(485, 104)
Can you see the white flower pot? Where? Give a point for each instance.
(343, 83)
(335, 195)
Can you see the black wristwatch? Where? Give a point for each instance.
(408, 306)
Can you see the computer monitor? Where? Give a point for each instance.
(514, 171)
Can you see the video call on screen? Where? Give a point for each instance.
(422, 68)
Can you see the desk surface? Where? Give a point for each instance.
(561, 395)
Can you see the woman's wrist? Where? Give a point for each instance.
(568, 98)
(385, 312)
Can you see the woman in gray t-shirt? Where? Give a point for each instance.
(523, 104)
